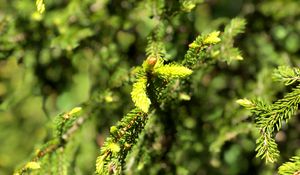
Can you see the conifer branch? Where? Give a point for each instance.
(290, 168)
(155, 48)
(188, 5)
(227, 134)
(197, 49)
(235, 27)
(67, 124)
(139, 94)
(40, 6)
(226, 50)
(122, 137)
(286, 75)
(269, 119)
(173, 71)
(266, 147)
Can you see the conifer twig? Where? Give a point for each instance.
(56, 143)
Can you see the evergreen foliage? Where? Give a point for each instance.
(228, 52)
(286, 75)
(139, 94)
(122, 137)
(290, 168)
(155, 83)
(269, 118)
(40, 6)
(65, 126)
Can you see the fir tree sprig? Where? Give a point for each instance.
(201, 49)
(65, 121)
(139, 94)
(155, 48)
(154, 68)
(197, 49)
(122, 137)
(286, 75)
(188, 5)
(172, 71)
(66, 125)
(40, 6)
(226, 50)
(227, 134)
(124, 134)
(290, 168)
(269, 118)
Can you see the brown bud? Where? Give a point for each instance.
(151, 60)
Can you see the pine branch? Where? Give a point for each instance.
(136, 157)
(290, 168)
(123, 136)
(154, 67)
(224, 51)
(28, 166)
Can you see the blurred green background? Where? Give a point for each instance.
(81, 52)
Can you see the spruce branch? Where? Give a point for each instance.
(235, 27)
(189, 5)
(269, 119)
(229, 133)
(283, 109)
(28, 166)
(139, 94)
(290, 168)
(226, 50)
(266, 147)
(40, 6)
(173, 71)
(154, 67)
(155, 46)
(286, 75)
(122, 137)
(197, 49)
(67, 124)
(152, 72)
(155, 49)
(65, 121)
